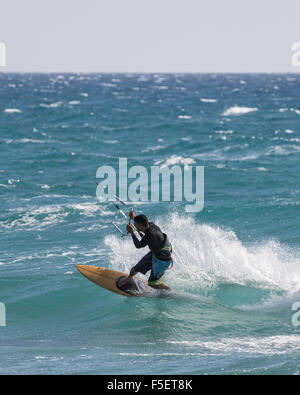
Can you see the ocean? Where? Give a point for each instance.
(236, 273)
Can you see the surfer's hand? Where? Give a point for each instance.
(131, 214)
(130, 229)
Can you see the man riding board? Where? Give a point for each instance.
(158, 259)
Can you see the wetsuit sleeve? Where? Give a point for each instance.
(140, 243)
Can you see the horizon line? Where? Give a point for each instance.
(150, 72)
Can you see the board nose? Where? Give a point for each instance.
(88, 269)
(81, 268)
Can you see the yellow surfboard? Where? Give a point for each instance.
(105, 278)
(108, 279)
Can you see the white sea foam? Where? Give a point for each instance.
(32, 219)
(208, 100)
(275, 303)
(222, 154)
(87, 209)
(283, 149)
(120, 109)
(48, 215)
(184, 117)
(154, 148)
(237, 110)
(108, 85)
(26, 140)
(103, 212)
(206, 255)
(224, 131)
(52, 105)
(13, 182)
(295, 110)
(267, 345)
(247, 153)
(111, 141)
(186, 138)
(174, 160)
(12, 110)
(143, 78)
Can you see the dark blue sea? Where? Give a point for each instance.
(236, 273)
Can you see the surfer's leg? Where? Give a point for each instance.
(157, 274)
(143, 266)
(157, 282)
(123, 280)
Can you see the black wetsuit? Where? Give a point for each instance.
(160, 248)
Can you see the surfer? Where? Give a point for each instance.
(158, 260)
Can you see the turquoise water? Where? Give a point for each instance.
(237, 262)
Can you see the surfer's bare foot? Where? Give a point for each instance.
(122, 281)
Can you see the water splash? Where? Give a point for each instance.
(207, 257)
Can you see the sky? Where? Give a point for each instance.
(149, 35)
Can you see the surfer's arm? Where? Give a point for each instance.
(139, 243)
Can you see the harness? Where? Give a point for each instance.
(165, 253)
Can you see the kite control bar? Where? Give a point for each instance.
(121, 212)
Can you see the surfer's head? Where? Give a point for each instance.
(141, 222)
